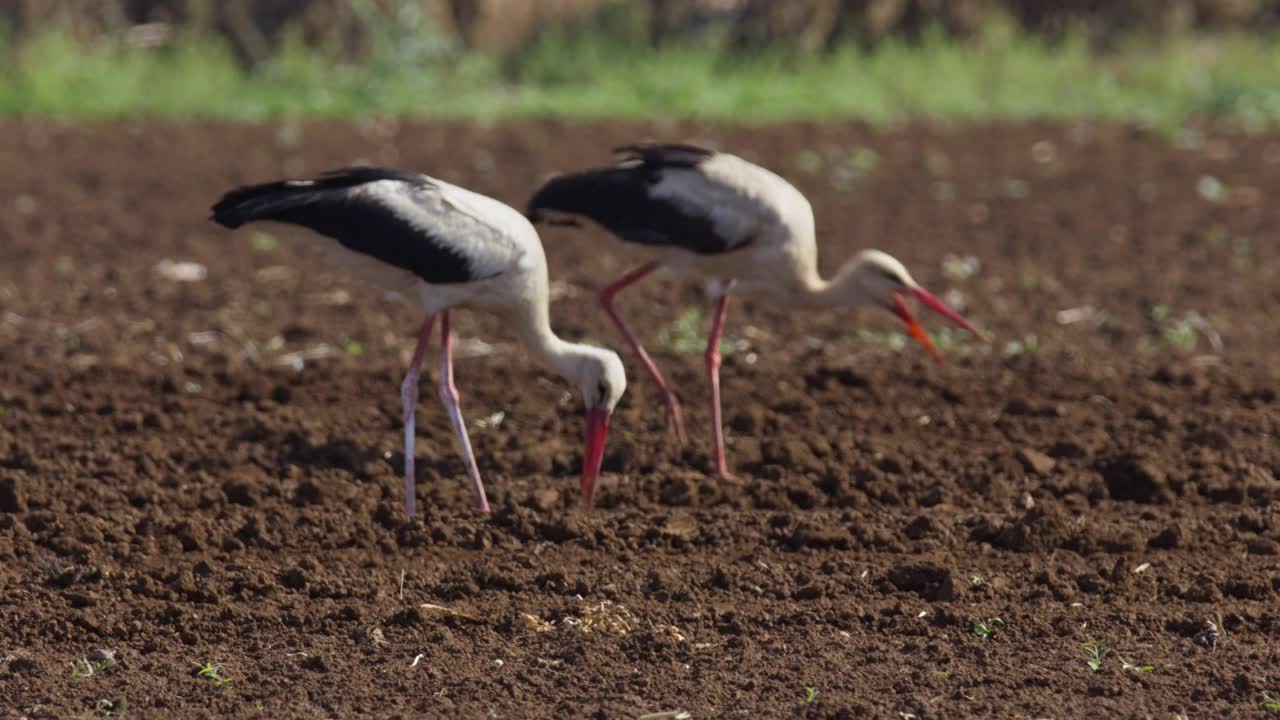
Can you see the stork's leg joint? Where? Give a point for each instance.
(675, 419)
(448, 393)
(712, 358)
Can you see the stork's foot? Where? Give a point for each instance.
(482, 502)
(722, 470)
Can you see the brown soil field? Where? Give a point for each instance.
(207, 471)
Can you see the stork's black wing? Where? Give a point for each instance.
(659, 155)
(399, 218)
(655, 195)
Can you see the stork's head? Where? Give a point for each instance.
(602, 380)
(878, 278)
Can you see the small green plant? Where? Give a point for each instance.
(807, 161)
(810, 694)
(847, 171)
(1095, 652)
(213, 673)
(88, 668)
(1028, 345)
(688, 336)
(1242, 254)
(864, 159)
(1029, 280)
(890, 340)
(1015, 188)
(1269, 702)
(1180, 334)
(960, 267)
(950, 341)
(1130, 667)
(110, 708)
(264, 242)
(352, 347)
(987, 628)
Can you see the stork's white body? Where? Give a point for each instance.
(718, 216)
(499, 245)
(447, 247)
(767, 220)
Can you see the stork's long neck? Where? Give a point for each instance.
(840, 290)
(533, 325)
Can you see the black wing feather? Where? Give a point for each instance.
(618, 198)
(359, 222)
(659, 155)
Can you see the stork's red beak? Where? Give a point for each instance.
(899, 308)
(593, 453)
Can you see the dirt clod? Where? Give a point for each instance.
(1263, 546)
(1036, 461)
(1137, 478)
(931, 582)
(13, 496)
(1166, 539)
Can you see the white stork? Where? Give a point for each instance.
(720, 216)
(449, 247)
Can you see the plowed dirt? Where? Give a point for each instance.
(205, 471)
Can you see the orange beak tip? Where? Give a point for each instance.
(933, 303)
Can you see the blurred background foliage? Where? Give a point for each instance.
(1160, 62)
(257, 29)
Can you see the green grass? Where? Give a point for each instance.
(1003, 74)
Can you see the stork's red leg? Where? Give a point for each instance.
(409, 398)
(675, 420)
(449, 396)
(713, 377)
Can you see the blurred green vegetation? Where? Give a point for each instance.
(1001, 72)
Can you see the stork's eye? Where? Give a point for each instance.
(602, 392)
